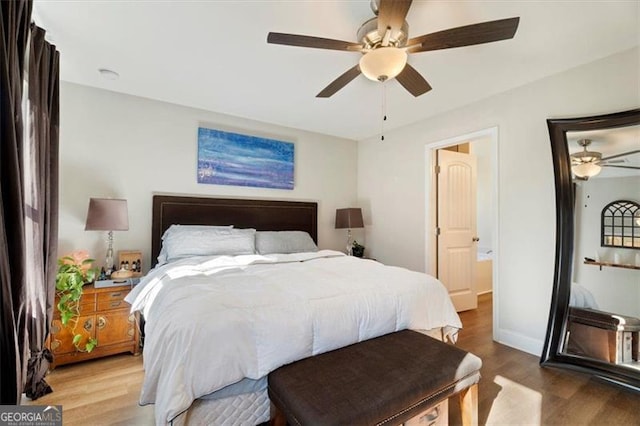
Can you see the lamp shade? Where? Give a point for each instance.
(107, 214)
(349, 218)
(383, 63)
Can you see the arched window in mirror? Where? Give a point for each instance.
(621, 224)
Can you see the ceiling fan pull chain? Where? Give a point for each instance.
(384, 109)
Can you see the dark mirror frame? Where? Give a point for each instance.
(556, 328)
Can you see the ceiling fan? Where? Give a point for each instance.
(586, 164)
(385, 43)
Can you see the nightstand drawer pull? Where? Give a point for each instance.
(102, 322)
(118, 294)
(115, 304)
(88, 325)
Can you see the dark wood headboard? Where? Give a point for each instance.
(263, 215)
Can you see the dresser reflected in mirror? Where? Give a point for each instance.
(594, 321)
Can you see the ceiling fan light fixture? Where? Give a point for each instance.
(584, 164)
(383, 63)
(586, 170)
(585, 156)
(384, 42)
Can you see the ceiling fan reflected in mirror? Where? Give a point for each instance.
(385, 44)
(586, 164)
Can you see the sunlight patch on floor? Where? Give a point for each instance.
(512, 394)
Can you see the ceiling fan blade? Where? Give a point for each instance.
(391, 14)
(621, 167)
(339, 82)
(624, 154)
(310, 41)
(413, 81)
(467, 35)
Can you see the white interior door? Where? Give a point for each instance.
(456, 221)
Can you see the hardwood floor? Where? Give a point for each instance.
(99, 392)
(514, 389)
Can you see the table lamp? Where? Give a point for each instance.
(107, 214)
(349, 218)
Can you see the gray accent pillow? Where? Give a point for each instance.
(186, 241)
(268, 242)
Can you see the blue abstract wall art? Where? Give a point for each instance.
(226, 158)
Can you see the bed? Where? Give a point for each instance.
(217, 323)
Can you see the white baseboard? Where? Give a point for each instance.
(520, 342)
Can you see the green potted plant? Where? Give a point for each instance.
(74, 271)
(357, 249)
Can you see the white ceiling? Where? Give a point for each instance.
(214, 55)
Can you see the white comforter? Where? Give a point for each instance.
(212, 321)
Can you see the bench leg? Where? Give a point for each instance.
(278, 418)
(469, 406)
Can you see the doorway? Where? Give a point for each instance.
(481, 248)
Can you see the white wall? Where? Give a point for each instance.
(392, 184)
(615, 289)
(120, 146)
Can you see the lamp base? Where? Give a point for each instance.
(349, 243)
(108, 261)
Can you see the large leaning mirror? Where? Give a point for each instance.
(594, 320)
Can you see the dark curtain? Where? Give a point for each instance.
(28, 201)
(13, 42)
(41, 204)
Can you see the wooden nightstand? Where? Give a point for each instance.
(105, 316)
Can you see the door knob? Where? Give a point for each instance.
(475, 239)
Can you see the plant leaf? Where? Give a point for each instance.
(65, 316)
(76, 339)
(92, 343)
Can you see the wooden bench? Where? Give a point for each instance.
(389, 380)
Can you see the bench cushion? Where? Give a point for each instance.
(386, 380)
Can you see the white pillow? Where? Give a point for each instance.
(268, 242)
(177, 229)
(187, 241)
